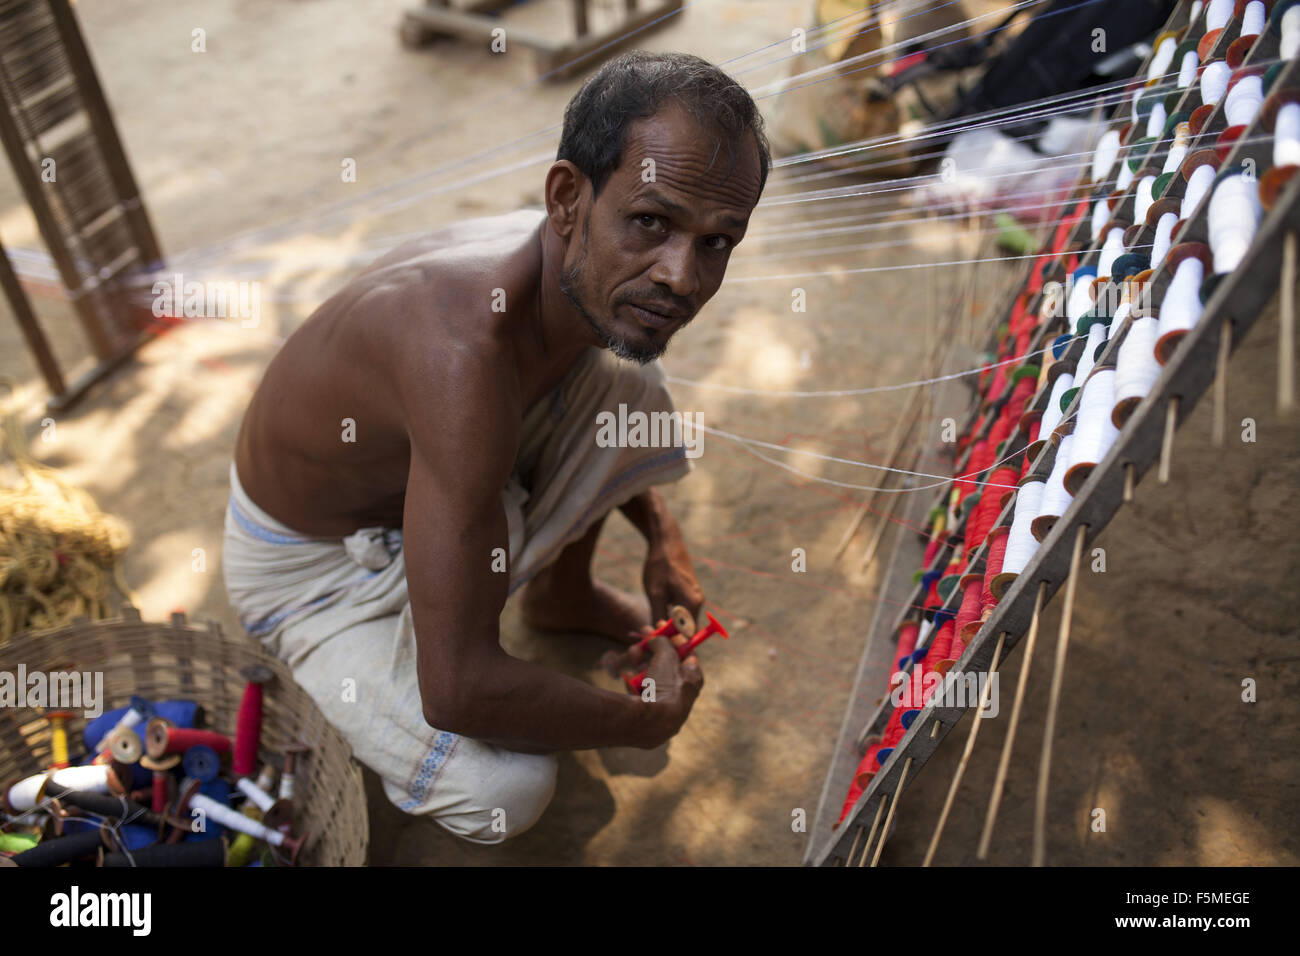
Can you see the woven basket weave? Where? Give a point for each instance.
(176, 660)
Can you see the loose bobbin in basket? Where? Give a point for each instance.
(179, 661)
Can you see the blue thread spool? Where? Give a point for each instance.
(201, 763)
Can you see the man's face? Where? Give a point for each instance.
(653, 247)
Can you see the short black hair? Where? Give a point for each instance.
(638, 84)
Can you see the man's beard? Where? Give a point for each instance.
(640, 352)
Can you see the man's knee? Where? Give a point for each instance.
(505, 794)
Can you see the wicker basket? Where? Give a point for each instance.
(176, 660)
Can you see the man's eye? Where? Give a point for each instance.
(647, 220)
(719, 243)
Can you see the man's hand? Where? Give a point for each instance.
(670, 579)
(676, 685)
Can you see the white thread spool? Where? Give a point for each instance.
(1095, 432)
(1052, 411)
(1125, 178)
(1196, 9)
(1136, 369)
(1156, 121)
(1290, 33)
(1144, 199)
(1164, 55)
(1181, 308)
(261, 799)
(1218, 13)
(1235, 212)
(1187, 71)
(24, 794)
(1055, 498)
(1214, 81)
(1111, 250)
(1021, 543)
(1096, 335)
(1244, 100)
(1198, 184)
(1164, 238)
(1286, 134)
(1080, 300)
(1178, 151)
(94, 778)
(1252, 19)
(1104, 156)
(234, 820)
(1100, 216)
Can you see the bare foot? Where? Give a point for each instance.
(592, 606)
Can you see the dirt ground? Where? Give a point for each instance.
(1195, 598)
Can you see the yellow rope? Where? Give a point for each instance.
(59, 554)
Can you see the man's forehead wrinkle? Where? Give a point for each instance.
(694, 178)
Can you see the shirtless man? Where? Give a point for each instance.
(442, 359)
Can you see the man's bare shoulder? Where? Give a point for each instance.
(448, 303)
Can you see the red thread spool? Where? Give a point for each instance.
(855, 791)
(932, 599)
(958, 646)
(997, 550)
(1005, 475)
(999, 382)
(1022, 394)
(867, 767)
(998, 434)
(907, 633)
(932, 549)
(248, 724)
(163, 739)
(971, 602)
(939, 647)
(980, 522)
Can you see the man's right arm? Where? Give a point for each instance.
(453, 522)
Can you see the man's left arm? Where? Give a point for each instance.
(669, 577)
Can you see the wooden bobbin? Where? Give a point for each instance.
(1167, 442)
(965, 757)
(1054, 699)
(1286, 332)
(1004, 762)
(1220, 409)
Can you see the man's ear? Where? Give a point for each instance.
(565, 183)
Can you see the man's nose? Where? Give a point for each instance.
(675, 267)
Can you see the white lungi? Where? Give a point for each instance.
(336, 609)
